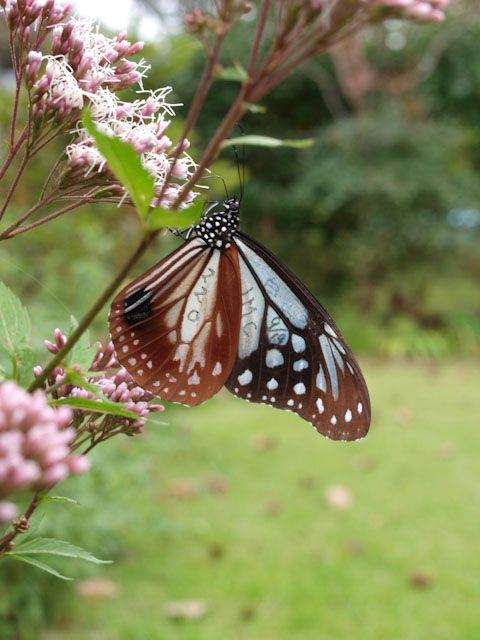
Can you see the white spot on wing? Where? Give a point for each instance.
(360, 407)
(300, 365)
(298, 343)
(217, 369)
(329, 330)
(320, 405)
(274, 358)
(245, 377)
(299, 388)
(348, 415)
(272, 384)
(194, 379)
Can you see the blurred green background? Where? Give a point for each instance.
(234, 521)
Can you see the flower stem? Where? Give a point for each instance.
(198, 99)
(236, 111)
(12, 153)
(7, 539)
(13, 231)
(13, 186)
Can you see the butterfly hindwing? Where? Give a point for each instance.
(291, 355)
(175, 329)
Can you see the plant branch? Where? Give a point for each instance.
(13, 231)
(195, 108)
(7, 539)
(13, 186)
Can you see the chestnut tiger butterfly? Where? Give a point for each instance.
(222, 310)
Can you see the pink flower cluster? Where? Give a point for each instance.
(34, 444)
(421, 10)
(32, 15)
(84, 67)
(116, 384)
(82, 61)
(143, 124)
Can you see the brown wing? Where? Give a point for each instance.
(175, 329)
(291, 355)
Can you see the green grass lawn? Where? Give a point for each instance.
(234, 514)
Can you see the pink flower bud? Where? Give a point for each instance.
(78, 465)
(55, 474)
(8, 511)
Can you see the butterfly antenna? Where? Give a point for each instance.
(219, 178)
(240, 159)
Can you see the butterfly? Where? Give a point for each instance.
(221, 310)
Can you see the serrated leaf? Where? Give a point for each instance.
(95, 406)
(267, 141)
(55, 547)
(14, 322)
(25, 361)
(82, 353)
(36, 563)
(125, 163)
(159, 218)
(235, 74)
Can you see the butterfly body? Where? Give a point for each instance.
(222, 310)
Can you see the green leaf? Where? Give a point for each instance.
(25, 361)
(235, 74)
(38, 564)
(83, 352)
(77, 380)
(95, 406)
(125, 163)
(267, 141)
(159, 217)
(60, 499)
(14, 322)
(55, 547)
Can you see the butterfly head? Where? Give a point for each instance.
(217, 228)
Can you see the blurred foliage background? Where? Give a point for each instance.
(381, 220)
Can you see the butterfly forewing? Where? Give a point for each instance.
(176, 328)
(291, 355)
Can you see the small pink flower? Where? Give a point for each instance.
(34, 440)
